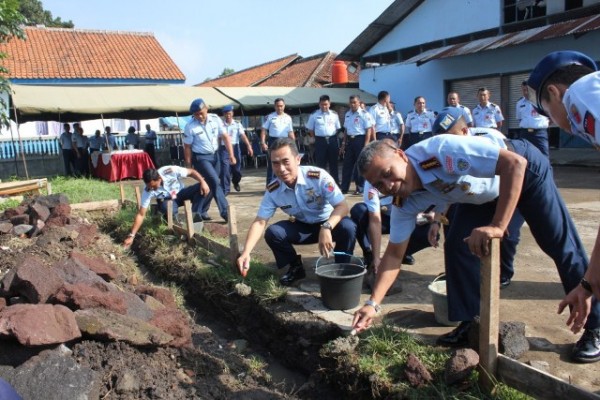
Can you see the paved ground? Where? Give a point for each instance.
(532, 297)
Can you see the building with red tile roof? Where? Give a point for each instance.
(78, 56)
(290, 71)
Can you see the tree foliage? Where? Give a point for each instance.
(10, 26)
(226, 71)
(33, 11)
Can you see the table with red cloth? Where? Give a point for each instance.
(120, 165)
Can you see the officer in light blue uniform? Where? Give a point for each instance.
(66, 144)
(200, 140)
(235, 131)
(396, 123)
(278, 124)
(418, 123)
(486, 114)
(468, 170)
(357, 132)
(316, 208)
(382, 117)
(324, 125)
(534, 126)
(96, 142)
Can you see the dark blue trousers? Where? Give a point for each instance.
(209, 167)
(411, 138)
(538, 137)
(360, 215)
(191, 193)
(551, 225)
(270, 175)
(354, 145)
(326, 153)
(69, 159)
(282, 235)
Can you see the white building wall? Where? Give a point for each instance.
(405, 82)
(439, 19)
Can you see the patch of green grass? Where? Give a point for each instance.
(382, 357)
(9, 203)
(257, 368)
(81, 190)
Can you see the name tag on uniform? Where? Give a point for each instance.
(197, 130)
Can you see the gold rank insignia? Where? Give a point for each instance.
(292, 218)
(397, 201)
(465, 186)
(273, 185)
(430, 163)
(313, 174)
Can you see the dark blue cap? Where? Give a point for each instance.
(197, 105)
(446, 119)
(553, 62)
(227, 108)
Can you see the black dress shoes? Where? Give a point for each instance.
(457, 337)
(205, 217)
(504, 282)
(587, 348)
(295, 272)
(236, 186)
(408, 259)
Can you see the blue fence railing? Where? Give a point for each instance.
(9, 148)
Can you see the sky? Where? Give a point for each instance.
(204, 37)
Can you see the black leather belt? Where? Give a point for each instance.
(532, 130)
(420, 132)
(382, 133)
(326, 138)
(354, 137)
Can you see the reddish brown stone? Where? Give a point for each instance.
(161, 294)
(39, 211)
(12, 212)
(2, 303)
(97, 265)
(39, 324)
(217, 230)
(175, 323)
(88, 234)
(460, 365)
(73, 273)
(61, 210)
(57, 221)
(34, 280)
(5, 227)
(21, 219)
(83, 296)
(416, 373)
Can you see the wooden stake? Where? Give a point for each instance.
(122, 192)
(138, 197)
(489, 316)
(234, 249)
(170, 214)
(189, 219)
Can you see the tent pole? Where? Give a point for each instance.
(105, 135)
(20, 144)
(180, 138)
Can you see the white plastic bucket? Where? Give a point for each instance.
(440, 301)
(130, 147)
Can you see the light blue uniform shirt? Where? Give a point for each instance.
(112, 141)
(310, 201)
(488, 116)
(97, 142)
(452, 169)
(323, 124)
(278, 126)
(374, 200)
(382, 118)
(234, 130)
(416, 123)
(66, 141)
(357, 123)
(80, 140)
(204, 138)
(396, 122)
(466, 113)
(171, 185)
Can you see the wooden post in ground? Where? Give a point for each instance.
(233, 237)
(138, 197)
(189, 219)
(489, 316)
(122, 193)
(49, 188)
(170, 214)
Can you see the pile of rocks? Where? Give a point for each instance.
(28, 220)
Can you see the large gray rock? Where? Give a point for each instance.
(513, 342)
(5, 227)
(82, 296)
(39, 211)
(53, 376)
(34, 280)
(54, 235)
(73, 273)
(38, 324)
(22, 229)
(108, 325)
(460, 365)
(52, 200)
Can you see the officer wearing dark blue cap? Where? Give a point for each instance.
(452, 169)
(200, 144)
(235, 130)
(565, 85)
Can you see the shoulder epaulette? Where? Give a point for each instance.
(493, 104)
(273, 185)
(431, 163)
(314, 174)
(397, 201)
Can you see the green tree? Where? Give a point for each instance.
(226, 71)
(34, 12)
(10, 26)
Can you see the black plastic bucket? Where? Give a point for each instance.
(341, 284)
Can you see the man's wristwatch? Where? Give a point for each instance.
(586, 285)
(326, 225)
(131, 235)
(373, 304)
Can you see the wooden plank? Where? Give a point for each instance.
(489, 315)
(233, 237)
(138, 197)
(189, 219)
(49, 188)
(170, 214)
(16, 187)
(122, 193)
(538, 384)
(213, 247)
(96, 205)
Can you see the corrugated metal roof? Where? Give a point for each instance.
(391, 17)
(575, 27)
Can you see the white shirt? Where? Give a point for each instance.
(171, 185)
(278, 126)
(323, 124)
(381, 116)
(487, 116)
(528, 116)
(582, 102)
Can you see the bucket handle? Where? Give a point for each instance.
(340, 253)
(439, 278)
